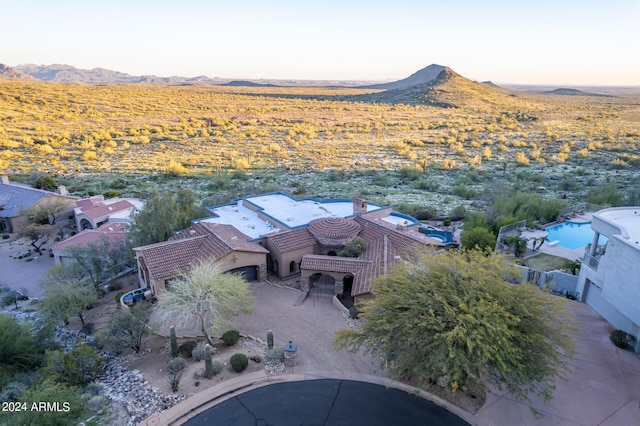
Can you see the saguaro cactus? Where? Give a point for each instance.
(207, 361)
(270, 339)
(174, 342)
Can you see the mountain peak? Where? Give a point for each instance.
(425, 75)
(8, 72)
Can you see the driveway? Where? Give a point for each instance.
(20, 275)
(602, 388)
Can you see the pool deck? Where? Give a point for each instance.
(552, 248)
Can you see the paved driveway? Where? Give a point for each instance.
(602, 389)
(20, 275)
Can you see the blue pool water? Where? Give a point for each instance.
(573, 235)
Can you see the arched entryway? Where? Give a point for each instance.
(346, 298)
(322, 284)
(85, 224)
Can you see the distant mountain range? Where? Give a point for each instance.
(434, 85)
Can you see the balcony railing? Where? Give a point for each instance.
(590, 261)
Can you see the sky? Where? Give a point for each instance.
(560, 42)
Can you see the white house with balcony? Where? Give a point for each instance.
(609, 279)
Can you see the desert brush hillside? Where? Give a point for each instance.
(452, 126)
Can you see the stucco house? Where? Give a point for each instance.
(114, 232)
(290, 238)
(92, 212)
(609, 279)
(16, 199)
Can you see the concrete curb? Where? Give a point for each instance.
(200, 402)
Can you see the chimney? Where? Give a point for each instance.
(359, 206)
(63, 190)
(5, 179)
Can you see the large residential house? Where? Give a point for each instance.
(291, 238)
(16, 199)
(609, 279)
(113, 232)
(91, 213)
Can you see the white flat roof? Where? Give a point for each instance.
(243, 219)
(295, 213)
(624, 217)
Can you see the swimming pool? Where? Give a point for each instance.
(573, 235)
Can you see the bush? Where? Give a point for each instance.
(354, 312)
(622, 339)
(216, 366)
(187, 348)
(88, 328)
(175, 368)
(78, 367)
(239, 362)
(231, 337)
(198, 352)
(275, 354)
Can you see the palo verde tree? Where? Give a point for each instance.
(65, 296)
(161, 216)
(205, 296)
(37, 234)
(128, 328)
(94, 258)
(453, 318)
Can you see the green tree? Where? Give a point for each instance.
(354, 248)
(37, 234)
(205, 296)
(78, 367)
(453, 318)
(128, 328)
(65, 297)
(70, 411)
(161, 216)
(92, 259)
(479, 237)
(518, 244)
(606, 194)
(45, 182)
(19, 350)
(48, 210)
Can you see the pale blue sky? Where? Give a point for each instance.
(561, 42)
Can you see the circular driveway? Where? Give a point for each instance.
(326, 402)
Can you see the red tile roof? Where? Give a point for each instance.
(101, 209)
(333, 263)
(289, 241)
(89, 236)
(201, 241)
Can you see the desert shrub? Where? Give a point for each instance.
(275, 354)
(464, 191)
(216, 366)
(118, 296)
(354, 312)
(428, 185)
(231, 337)
(77, 367)
(198, 352)
(112, 193)
(410, 173)
(622, 339)
(187, 348)
(97, 403)
(354, 248)
(175, 368)
(239, 362)
(12, 391)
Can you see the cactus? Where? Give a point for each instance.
(270, 339)
(174, 343)
(207, 361)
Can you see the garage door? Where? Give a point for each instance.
(250, 273)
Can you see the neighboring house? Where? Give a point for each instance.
(288, 237)
(16, 199)
(115, 232)
(92, 212)
(609, 279)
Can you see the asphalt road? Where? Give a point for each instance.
(326, 402)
